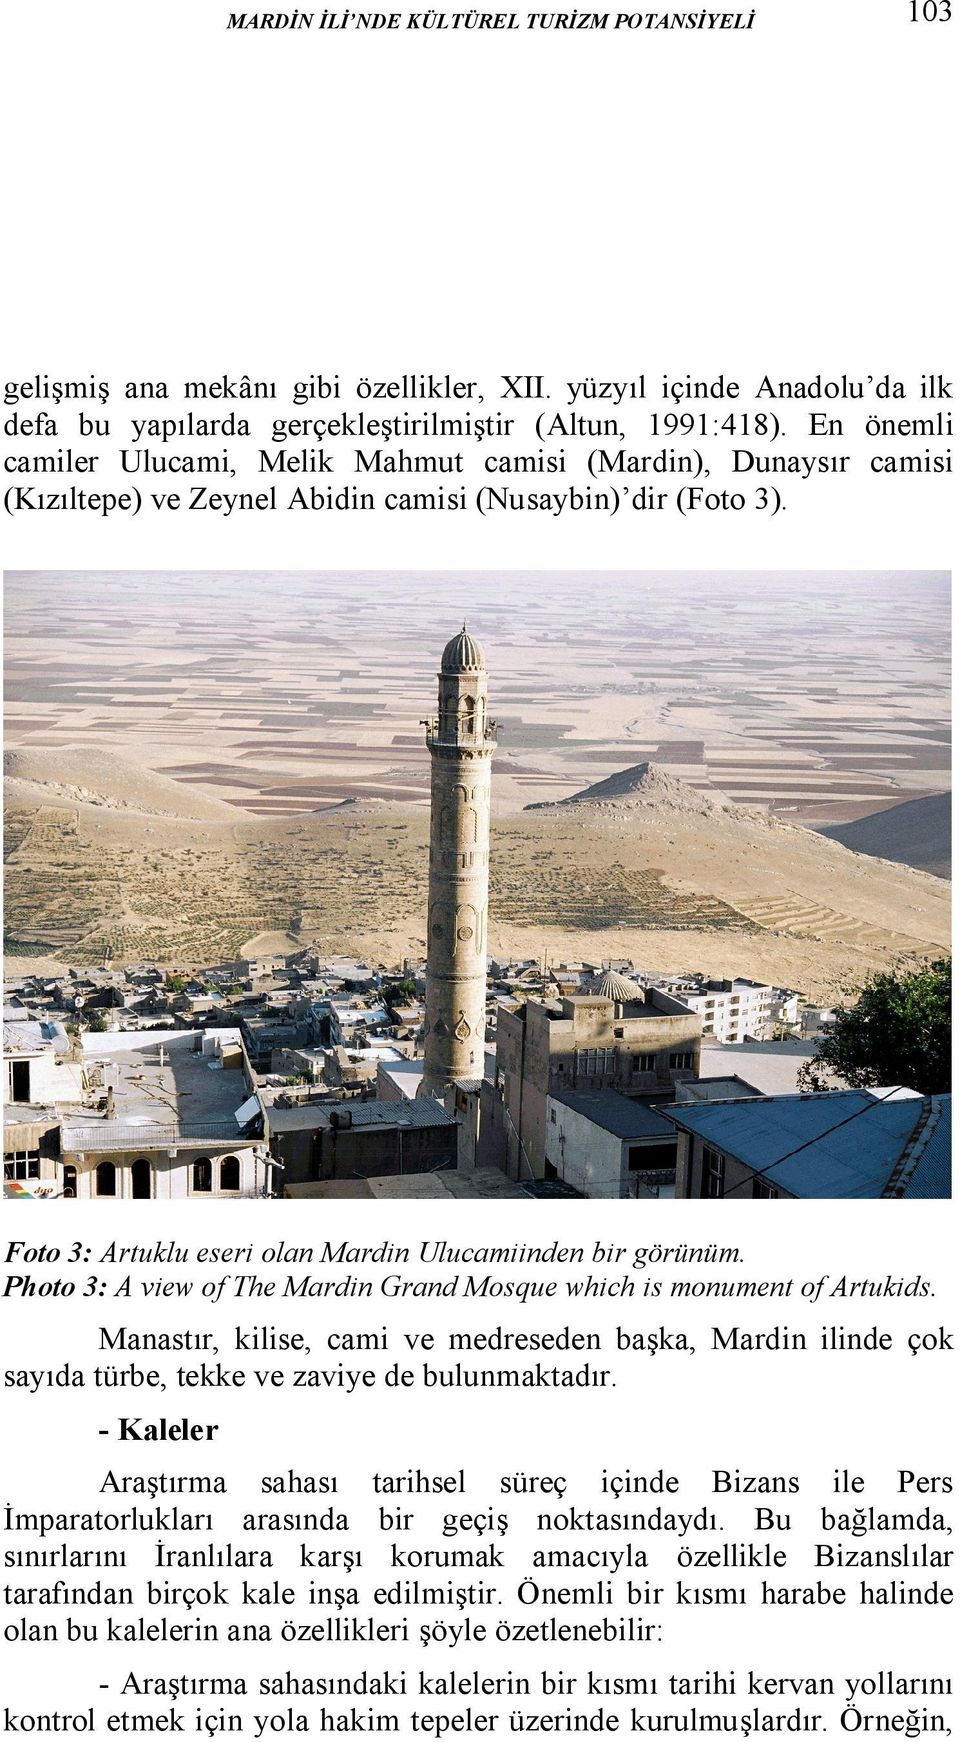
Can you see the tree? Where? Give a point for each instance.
(400, 988)
(897, 1032)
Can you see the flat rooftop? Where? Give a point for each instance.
(189, 1094)
(480, 1182)
(617, 1114)
(359, 1115)
(17, 1113)
(405, 1074)
(30, 1035)
(716, 1089)
(769, 1066)
(650, 1004)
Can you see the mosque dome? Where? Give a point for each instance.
(617, 988)
(463, 653)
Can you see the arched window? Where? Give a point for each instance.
(141, 1178)
(106, 1180)
(203, 1175)
(230, 1174)
(469, 709)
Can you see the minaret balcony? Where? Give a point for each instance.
(451, 735)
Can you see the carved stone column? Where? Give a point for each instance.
(461, 740)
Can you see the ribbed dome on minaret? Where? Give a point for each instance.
(463, 653)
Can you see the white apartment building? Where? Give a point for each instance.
(732, 1010)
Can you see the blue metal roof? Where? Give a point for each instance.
(929, 1175)
(843, 1144)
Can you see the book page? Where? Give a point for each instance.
(479, 520)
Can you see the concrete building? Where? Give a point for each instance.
(144, 1116)
(31, 1149)
(42, 1065)
(399, 1079)
(642, 1045)
(302, 1062)
(841, 1144)
(350, 1019)
(731, 1010)
(351, 1069)
(168, 1117)
(785, 1009)
(475, 1103)
(716, 1089)
(607, 1146)
(267, 1034)
(325, 1140)
(461, 740)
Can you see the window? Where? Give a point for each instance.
(22, 1164)
(644, 1061)
(553, 1115)
(141, 1178)
(681, 1061)
(106, 1180)
(203, 1175)
(711, 1179)
(230, 1174)
(596, 1061)
(762, 1188)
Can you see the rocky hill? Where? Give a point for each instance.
(639, 865)
(647, 784)
(916, 832)
(105, 780)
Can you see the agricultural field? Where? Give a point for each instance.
(196, 760)
(822, 697)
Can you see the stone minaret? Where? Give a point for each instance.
(461, 741)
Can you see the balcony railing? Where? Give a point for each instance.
(439, 732)
(124, 1134)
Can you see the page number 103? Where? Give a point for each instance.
(930, 11)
